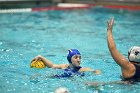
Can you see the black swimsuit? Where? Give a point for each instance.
(137, 73)
(136, 77)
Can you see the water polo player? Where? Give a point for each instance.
(71, 69)
(130, 68)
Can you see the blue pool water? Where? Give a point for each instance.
(51, 34)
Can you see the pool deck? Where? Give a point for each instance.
(43, 5)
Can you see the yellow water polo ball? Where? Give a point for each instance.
(37, 64)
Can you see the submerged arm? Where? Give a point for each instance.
(91, 70)
(96, 84)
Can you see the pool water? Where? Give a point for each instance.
(51, 33)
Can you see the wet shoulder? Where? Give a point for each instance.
(64, 66)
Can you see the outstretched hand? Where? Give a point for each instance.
(110, 24)
(36, 58)
(97, 71)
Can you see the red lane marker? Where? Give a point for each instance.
(87, 6)
(61, 8)
(122, 7)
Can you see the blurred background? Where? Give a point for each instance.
(44, 3)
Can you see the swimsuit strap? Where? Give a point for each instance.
(76, 69)
(69, 72)
(137, 72)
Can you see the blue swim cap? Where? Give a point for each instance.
(72, 52)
